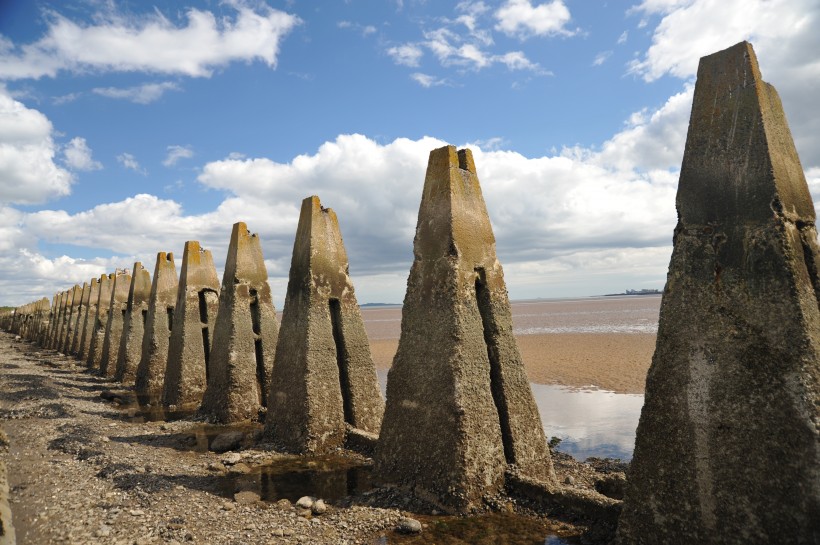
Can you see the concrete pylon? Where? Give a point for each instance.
(133, 326)
(459, 406)
(73, 303)
(95, 349)
(186, 375)
(52, 319)
(244, 335)
(117, 309)
(159, 322)
(59, 322)
(90, 317)
(323, 374)
(727, 446)
(79, 320)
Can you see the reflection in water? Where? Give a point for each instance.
(487, 529)
(589, 422)
(329, 478)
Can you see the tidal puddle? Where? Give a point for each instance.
(140, 409)
(489, 529)
(201, 438)
(329, 478)
(589, 422)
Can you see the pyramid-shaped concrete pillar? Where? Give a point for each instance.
(244, 335)
(459, 405)
(79, 320)
(90, 317)
(60, 321)
(72, 304)
(45, 340)
(186, 375)
(159, 322)
(45, 316)
(133, 326)
(323, 374)
(727, 446)
(95, 349)
(117, 309)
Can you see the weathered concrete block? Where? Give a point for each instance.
(158, 326)
(133, 326)
(244, 335)
(189, 353)
(95, 349)
(90, 317)
(727, 447)
(60, 320)
(117, 309)
(323, 375)
(45, 341)
(72, 304)
(459, 405)
(79, 320)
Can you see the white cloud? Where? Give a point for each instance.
(175, 153)
(521, 19)
(407, 54)
(784, 36)
(623, 37)
(141, 94)
(130, 162)
(365, 30)
(78, 155)
(426, 80)
(151, 43)
(28, 173)
(601, 58)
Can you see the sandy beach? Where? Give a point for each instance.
(605, 343)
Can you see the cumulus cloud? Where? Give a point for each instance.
(407, 54)
(78, 155)
(150, 43)
(521, 19)
(141, 94)
(175, 153)
(782, 32)
(130, 162)
(28, 173)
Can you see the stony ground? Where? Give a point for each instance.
(84, 467)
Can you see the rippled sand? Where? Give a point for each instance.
(606, 342)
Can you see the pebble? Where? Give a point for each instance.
(319, 507)
(408, 525)
(305, 502)
(229, 440)
(231, 458)
(569, 479)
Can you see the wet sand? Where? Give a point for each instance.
(605, 343)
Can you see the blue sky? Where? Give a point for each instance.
(127, 128)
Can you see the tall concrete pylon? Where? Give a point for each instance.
(117, 309)
(159, 323)
(727, 445)
(323, 374)
(245, 334)
(459, 409)
(133, 326)
(189, 353)
(79, 320)
(52, 321)
(59, 322)
(90, 317)
(95, 349)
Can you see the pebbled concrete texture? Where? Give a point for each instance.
(727, 447)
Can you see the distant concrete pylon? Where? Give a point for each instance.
(150, 379)
(189, 353)
(323, 374)
(244, 336)
(133, 327)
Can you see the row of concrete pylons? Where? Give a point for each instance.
(728, 444)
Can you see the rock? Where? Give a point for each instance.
(231, 458)
(229, 440)
(319, 507)
(240, 468)
(305, 502)
(612, 486)
(216, 466)
(408, 525)
(246, 497)
(569, 479)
